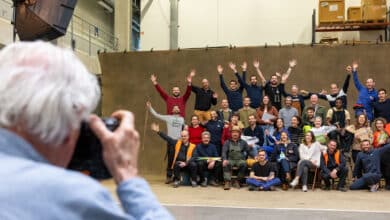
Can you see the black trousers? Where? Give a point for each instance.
(191, 168)
(169, 155)
(214, 174)
(342, 174)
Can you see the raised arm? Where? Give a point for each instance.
(256, 64)
(244, 71)
(356, 81)
(156, 128)
(347, 78)
(244, 66)
(155, 114)
(221, 80)
(323, 95)
(292, 63)
(214, 99)
(160, 90)
(189, 83)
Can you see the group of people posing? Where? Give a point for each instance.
(273, 136)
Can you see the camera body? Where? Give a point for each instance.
(88, 157)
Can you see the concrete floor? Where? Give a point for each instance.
(187, 203)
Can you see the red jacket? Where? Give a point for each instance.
(172, 101)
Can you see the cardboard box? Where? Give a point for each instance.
(374, 12)
(373, 2)
(331, 11)
(354, 14)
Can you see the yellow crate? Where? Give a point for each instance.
(374, 13)
(373, 2)
(354, 14)
(331, 11)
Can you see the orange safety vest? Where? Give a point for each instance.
(177, 149)
(336, 157)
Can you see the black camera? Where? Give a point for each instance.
(87, 157)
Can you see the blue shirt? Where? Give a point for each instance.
(366, 97)
(215, 128)
(234, 96)
(32, 188)
(369, 162)
(254, 92)
(203, 150)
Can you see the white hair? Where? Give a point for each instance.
(45, 90)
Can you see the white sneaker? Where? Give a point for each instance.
(294, 183)
(304, 188)
(374, 188)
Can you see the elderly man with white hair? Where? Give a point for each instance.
(45, 93)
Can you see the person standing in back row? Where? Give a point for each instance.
(204, 99)
(366, 97)
(233, 93)
(253, 90)
(274, 89)
(175, 99)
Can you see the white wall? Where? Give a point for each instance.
(89, 10)
(240, 23)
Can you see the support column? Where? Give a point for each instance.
(123, 23)
(174, 25)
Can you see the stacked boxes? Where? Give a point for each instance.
(331, 11)
(374, 10)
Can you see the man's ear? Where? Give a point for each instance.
(68, 146)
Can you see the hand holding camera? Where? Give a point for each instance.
(120, 147)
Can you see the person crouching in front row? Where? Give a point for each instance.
(183, 152)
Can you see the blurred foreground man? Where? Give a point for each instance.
(45, 93)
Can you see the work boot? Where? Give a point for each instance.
(288, 177)
(227, 185)
(204, 183)
(236, 184)
(374, 188)
(213, 183)
(168, 180)
(176, 183)
(284, 186)
(194, 184)
(342, 189)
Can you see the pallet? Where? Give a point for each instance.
(374, 21)
(331, 22)
(353, 21)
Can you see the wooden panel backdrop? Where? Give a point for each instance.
(126, 78)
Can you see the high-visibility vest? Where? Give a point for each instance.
(336, 157)
(177, 149)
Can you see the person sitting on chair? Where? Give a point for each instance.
(183, 152)
(309, 154)
(234, 153)
(205, 158)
